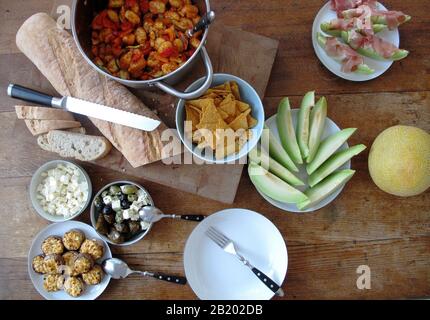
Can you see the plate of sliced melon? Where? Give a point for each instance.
(303, 160)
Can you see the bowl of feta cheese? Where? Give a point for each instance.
(60, 190)
(115, 212)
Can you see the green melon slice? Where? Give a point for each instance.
(263, 159)
(274, 187)
(328, 147)
(333, 163)
(317, 125)
(287, 132)
(303, 123)
(277, 152)
(325, 188)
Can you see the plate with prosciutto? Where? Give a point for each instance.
(358, 40)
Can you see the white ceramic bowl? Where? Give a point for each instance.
(59, 229)
(248, 95)
(37, 179)
(94, 215)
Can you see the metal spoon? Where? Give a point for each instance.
(152, 214)
(118, 269)
(203, 23)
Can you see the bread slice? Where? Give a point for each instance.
(37, 127)
(42, 140)
(42, 113)
(75, 145)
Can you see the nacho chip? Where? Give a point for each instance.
(228, 105)
(252, 122)
(235, 89)
(224, 115)
(200, 103)
(211, 119)
(192, 115)
(241, 121)
(242, 106)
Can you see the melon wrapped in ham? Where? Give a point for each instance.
(391, 19)
(373, 47)
(341, 5)
(351, 61)
(336, 26)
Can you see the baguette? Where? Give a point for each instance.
(75, 145)
(37, 127)
(42, 113)
(56, 55)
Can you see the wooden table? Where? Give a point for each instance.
(364, 226)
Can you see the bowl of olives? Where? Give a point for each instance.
(115, 212)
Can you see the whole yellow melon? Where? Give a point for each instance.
(399, 161)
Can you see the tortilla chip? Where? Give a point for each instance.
(200, 103)
(224, 115)
(192, 115)
(242, 106)
(235, 89)
(228, 105)
(211, 119)
(252, 122)
(240, 122)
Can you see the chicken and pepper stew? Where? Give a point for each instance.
(142, 39)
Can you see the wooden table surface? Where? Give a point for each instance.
(364, 226)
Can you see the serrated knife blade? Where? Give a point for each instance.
(102, 112)
(90, 109)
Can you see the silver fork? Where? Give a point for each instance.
(228, 246)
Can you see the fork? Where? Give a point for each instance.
(228, 246)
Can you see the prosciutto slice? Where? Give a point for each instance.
(393, 18)
(383, 48)
(342, 5)
(359, 19)
(343, 53)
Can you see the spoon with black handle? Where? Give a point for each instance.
(152, 214)
(118, 269)
(203, 23)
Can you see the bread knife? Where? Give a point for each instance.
(83, 107)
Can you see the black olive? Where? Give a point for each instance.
(125, 204)
(123, 197)
(98, 203)
(107, 210)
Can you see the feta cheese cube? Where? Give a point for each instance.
(116, 205)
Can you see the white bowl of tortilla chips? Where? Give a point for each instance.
(225, 123)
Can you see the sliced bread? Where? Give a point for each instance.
(75, 145)
(42, 140)
(37, 127)
(42, 113)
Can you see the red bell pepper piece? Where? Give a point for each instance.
(144, 6)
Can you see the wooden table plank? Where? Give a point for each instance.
(323, 271)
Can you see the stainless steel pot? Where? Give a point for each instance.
(82, 16)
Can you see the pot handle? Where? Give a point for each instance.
(198, 92)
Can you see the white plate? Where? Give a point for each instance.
(330, 128)
(58, 229)
(216, 275)
(325, 15)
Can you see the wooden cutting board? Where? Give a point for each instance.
(233, 51)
